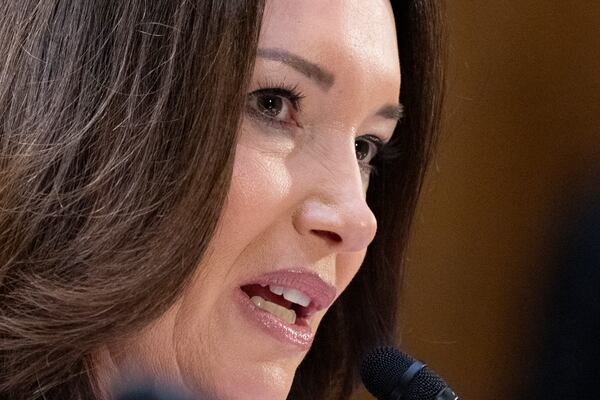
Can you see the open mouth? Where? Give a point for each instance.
(290, 305)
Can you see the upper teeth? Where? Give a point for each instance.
(293, 295)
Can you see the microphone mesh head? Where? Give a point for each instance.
(382, 369)
(425, 386)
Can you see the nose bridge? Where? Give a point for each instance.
(335, 208)
(333, 150)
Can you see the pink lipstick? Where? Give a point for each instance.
(299, 293)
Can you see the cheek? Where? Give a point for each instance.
(347, 265)
(259, 192)
(150, 352)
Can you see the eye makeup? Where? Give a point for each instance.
(279, 105)
(275, 106)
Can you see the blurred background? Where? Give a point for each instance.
(506, 224)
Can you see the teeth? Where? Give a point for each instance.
(283, 313)
(293, 295)
(276, 289)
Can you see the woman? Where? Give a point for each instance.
(189, 190)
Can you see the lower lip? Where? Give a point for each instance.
(299, 336)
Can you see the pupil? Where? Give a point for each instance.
(270, 105)
(362, 149)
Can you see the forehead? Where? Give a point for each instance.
(351, 37)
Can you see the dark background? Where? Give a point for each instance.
(519, 155)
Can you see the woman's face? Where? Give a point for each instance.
(325, 89)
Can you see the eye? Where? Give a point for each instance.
(274, 105)
(367, 148)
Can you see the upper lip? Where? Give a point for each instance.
(320, 293)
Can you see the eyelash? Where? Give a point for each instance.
(384, 151)
(369, 168)
(283, 90)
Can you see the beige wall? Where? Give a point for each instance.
(522, 134)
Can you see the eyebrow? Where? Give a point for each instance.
(320, 75)
(324, 78)
(392, 111)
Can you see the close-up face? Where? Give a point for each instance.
(295, 228)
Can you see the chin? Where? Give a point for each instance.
(262, 382)
(249, 392)
(262, 393)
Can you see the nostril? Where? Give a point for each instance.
(334, 237)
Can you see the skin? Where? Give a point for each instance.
(297, 197)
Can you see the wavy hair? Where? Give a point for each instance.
(109, 165)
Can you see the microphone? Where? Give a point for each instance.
(389, 374)
(150, 392)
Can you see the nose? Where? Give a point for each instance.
(336, 212)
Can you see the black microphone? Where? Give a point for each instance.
(389, 374)
(149, 391)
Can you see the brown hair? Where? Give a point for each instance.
(118, 123)
(117, 134)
